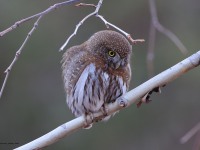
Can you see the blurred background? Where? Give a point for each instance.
(33, 102)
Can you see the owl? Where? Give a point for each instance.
(96, 72)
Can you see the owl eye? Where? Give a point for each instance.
(111, 53)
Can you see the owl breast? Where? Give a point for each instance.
(93, 89)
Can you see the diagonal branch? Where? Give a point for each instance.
(7, 71)
(134, 41)
(122, 102)
(190, 133)
(51, 8)
(39, 15)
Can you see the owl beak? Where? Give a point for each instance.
(117, 65)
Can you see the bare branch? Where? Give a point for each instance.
(39, 15)
(190, 133)
(84, 4)
(164, 30)
(134, 41)
(51, 8)
(150, 50)
(123, 101)
(172, 37)
(95, 13)
(156, 25)
(81, 22)
(7, 71)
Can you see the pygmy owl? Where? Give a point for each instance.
(96, 72)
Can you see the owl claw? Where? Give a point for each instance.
(88, 117)
(104, 110)
(146, 97)
(88, 126)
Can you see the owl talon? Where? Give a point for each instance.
(88, 117)
(146, 97)
(104, 110)
(88, 126)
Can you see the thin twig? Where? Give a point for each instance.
(95, 13)
(190, 133)
(51, 8)
(39, 15)
(150, 50)
(81, 22)
(156, 25)
(164, 30)
(7, 71)
(84, 4)
(124, 101)
(134, 41)
(107, 24)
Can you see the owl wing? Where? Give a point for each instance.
(73, 63)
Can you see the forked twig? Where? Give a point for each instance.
(39, 15)
(7, 71)
(51, 8)
(81, 22)
(134, 41)
(156, 25)
(95, 13)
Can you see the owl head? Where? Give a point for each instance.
(112, 47)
